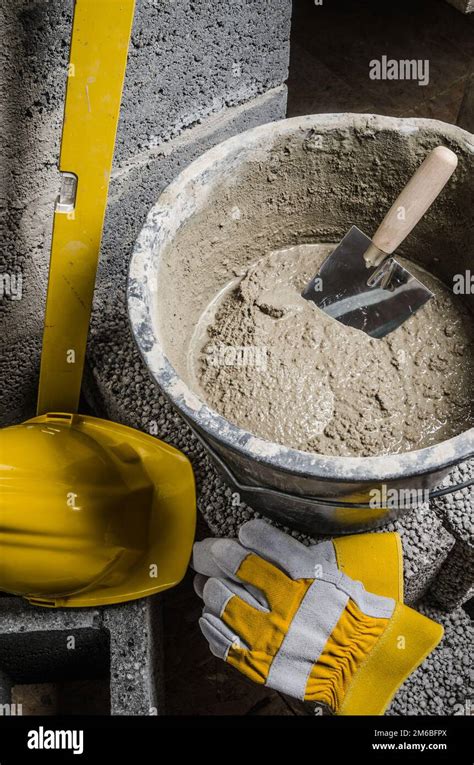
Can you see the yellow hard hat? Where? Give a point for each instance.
(91, 512)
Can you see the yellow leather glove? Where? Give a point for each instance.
(289, 616)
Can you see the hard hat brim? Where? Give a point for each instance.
(172, 517)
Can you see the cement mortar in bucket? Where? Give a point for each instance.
(297, 181)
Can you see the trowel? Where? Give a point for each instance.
(91, 512)
(359, 283)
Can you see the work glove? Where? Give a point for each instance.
(290, 617)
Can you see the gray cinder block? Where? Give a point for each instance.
(120, 642)
(136, 675)
(189, 60)
(454, 584)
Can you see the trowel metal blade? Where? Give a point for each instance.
(376, 300)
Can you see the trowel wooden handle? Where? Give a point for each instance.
(412, 203)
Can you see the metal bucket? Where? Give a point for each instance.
(311, 492)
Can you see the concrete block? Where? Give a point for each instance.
(42, 645)
(121, 643)
(188, 60)
(457, 509)
(136, 675)
(454, 583)
(34, 58)
(426, 545)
